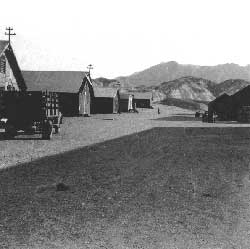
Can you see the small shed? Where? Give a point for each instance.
(106, 100)
(142, 99)
(11, 77)
(222, 107)
(73, 87)
(126, 102)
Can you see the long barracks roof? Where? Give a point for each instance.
(105, 92)
(126, 95)
(54, 81)
(141, 95)
(136, 95)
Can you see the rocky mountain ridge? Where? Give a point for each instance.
(172, 70)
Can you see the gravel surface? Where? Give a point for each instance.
(129, 181)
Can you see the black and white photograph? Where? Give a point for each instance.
(125, 124)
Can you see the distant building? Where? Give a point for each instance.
(239, 100)
(11, 77)
(126, 102)
(142, 100)
(78, 94)
(106, 100)
(222, 107)
(73, 87)
(231, 107)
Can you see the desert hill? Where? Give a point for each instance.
(230, 86)
(188, 88)
(172, 70)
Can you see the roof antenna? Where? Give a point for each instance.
(9, 29)
(90, 67)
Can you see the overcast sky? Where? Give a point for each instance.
(120, 37)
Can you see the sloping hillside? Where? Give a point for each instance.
(230, 86)
(187, 88)
(185, 104)
(169, 71)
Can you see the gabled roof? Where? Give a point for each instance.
(54, 81)
(224, 99)
(219, 98)
(105, 92)
(3, 46)
(243, 91)
(140, 95)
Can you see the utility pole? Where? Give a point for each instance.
(89, 67)
(9, 29)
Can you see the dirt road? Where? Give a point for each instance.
(78, 132)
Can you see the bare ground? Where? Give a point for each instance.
(171, 182)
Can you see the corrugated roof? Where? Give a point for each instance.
(55, 81)
(125, 95)
(105, 92)
(3, 45)
(140, 95)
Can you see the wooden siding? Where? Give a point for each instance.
(6, 75)
(116, 102)
(85, 101)
(142, 103)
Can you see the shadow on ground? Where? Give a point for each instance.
(179, 118)
(160, 188)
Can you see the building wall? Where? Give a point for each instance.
(130, 103)
(123, 105)
(223, 108)
(6, 75)
(69, 104)
(102, 105)
(240, 99)
(85, 101)
(142, 103)
(116, 104)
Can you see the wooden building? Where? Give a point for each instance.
(126, 102)
(232, 107)
(106, 100)
(11, 77)
(222, 107)
(240, 100)
(142, 100)
(73, 87)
